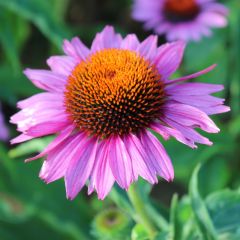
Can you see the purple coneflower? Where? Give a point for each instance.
(104, 101)
(3, 128)
(180, 19)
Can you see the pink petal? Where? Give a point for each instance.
(189, 116)
(139, 159)
(188, 132)
(169, 57)
(46, 80)
(80, 167)
(21, 138)
(166, 132)
(157, 156)
(62, 64)
(195, 75)
(40, 97)
(148, 47)
(192, 89)
(101, 178)
(130, 42)
(46, 128)
(120, 162)
(57, 162)
(106, 39)
(76, 49)
(54, 144)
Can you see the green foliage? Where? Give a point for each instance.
(205, 203)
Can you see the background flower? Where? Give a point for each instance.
(3, 128)
(180, 19)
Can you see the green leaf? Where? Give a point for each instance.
(200, 210)
(139, 233)
(173, 219)
(27, 148)
(224, 209)
(11, 38)
(41, 14)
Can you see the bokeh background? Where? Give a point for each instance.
(31, 31)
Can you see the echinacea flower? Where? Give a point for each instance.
(104, 101)
(180, 19)
(3, 128)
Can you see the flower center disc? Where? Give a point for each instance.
(113, 92)
(181, 10)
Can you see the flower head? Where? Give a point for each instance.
(103, 101)
(180, 19)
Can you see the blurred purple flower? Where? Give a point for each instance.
(102, 102)
(3, 128)
(180, 19)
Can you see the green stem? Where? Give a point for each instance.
(140, 209)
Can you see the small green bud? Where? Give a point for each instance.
(112, 224)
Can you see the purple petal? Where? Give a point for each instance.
(46, 80)
(57, 162)
(166, 132)
(195, 75)
(63, 65)
(101, 178)
(76, 49)
(169, 57)
(3, 129)
(21, 138)
(120, 162)
(139, 159)
(148, 47)
(106, 39)
(189, 116)
(43, 117)
(157, 156)
(188, 132)
(40, 97)
(54, 144)
(193, 89)
(130, 42)
(80, 166)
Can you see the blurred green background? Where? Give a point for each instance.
(204, 207)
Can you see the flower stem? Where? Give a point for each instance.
(139, 206)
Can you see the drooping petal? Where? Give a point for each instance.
(57, 162)
(102, 178)
(54, 144)
(138, 156)
(188, 132)
(80, 166)
(157, 156)
(166, 132)
(120, 162)
(189, 116)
